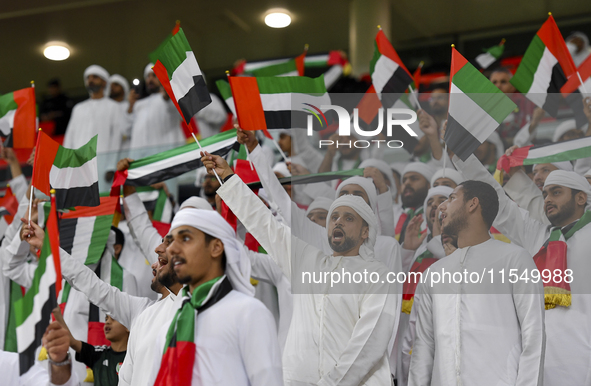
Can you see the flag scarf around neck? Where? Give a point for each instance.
(541, 154)
(180, 353)
(422, 262)
(553, 256)
(476, 107)
(181, 77)
(545, 68)
(8, 206)
(574, 82)
(172, 163)
(389, 76)
(276, 102)
(490, 55)
(18, 118)
(33, 310)
(72, 173)
(157, 202)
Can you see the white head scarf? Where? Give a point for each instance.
(564, 165)
(452, 174)
(197, 203)
(421, 168)
(281, 168)
(210, 222)
(385, 169)
(495, 139)
(359, 205)
(97, 71)
(440, 190)
(148, 70)
(563, 128)
(320, 203)
(571, 180)
(366, 184)
(116, 78)
(588, 173)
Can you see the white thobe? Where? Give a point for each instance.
(480, 333)
(333, 338)
(236, 344)
(156, 123)
(138, 363)
(96, 116)
(144, 234)
(568, 331)
(526, 194)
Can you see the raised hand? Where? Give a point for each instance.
(32, 234)
(412, 240)
(217, 163)
(247, 138)
(378, 178)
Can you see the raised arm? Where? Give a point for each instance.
(274, 237)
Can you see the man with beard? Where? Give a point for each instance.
(457, 318)
(414, 188)
(563, 246)
(218, 311)
(154, 120)
(338, 335)
(419, 251)
(209, 187)
(96, 115)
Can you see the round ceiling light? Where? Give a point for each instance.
(56, 51)
(277, 19)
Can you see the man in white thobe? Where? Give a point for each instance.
(337, 336)
(96, 115)
(567, 199)
(470, 332)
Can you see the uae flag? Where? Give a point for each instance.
(181, 77)
(8, 205)
(33, 311)
(313, 178)
(172, 163)
(157, 202)
(154, 54)
(574, 82)
(84, 230)
(389, 77)
(71, 172)
(276, 102)
(542, 154)
(490, 55)
(226, 93)
(292, 67)
(476, 107)
(18, 118)
(545, 68)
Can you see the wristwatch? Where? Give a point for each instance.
(65, 362)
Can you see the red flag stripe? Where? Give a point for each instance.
(45, 152)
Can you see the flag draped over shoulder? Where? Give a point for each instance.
(181, 77)
(72, 173)
(545, 68)
(276, 102)
(18, 118)
(389, 76)
(476, 107)
(172, 163)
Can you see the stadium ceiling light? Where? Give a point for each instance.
(56, 51)
(277, 18)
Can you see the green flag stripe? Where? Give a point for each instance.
(496, 51)
(483, 92)
(7, 104)
(186, 319)
(174, 52)
(291, 84)
(16, 294)
(160, 204)
(224, 88)
(100, 234)
(183, 149)
(566, 156)
(276, 69)
(116, 274)
(75, 158)
(374, 59)
(524, 76)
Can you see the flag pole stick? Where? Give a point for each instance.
(200, 148)
(412, 91)
(444, 158)
(582, 84)
(280, 151)
(30, 203)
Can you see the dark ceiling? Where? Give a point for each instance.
(119, 34)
